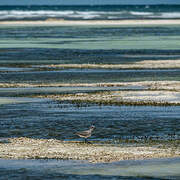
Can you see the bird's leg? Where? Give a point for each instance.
(85, 140)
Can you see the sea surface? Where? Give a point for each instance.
(106, 12)
(26, 50)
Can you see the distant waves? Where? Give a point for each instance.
(88, 12)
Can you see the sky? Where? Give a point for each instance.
(85, 2)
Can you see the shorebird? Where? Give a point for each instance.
(85, 134)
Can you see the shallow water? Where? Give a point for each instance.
(41, 45)
(89, 76)
(61, 90)
(15, 100)
(51, 119)
(57, 169)
(88, 44)
(14, 69)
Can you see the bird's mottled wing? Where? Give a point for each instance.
(83, 133)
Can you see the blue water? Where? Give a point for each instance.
(90, 12)
(157, 169)
(52, 119)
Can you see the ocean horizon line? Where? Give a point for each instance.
(91, 5)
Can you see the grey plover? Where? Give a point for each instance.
(86, 134)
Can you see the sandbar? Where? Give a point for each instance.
(146, 64)
(29, 148)
(62, 22)
(143, 97)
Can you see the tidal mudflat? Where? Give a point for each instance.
(56, 79)
(26, 148)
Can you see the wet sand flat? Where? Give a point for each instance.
(152, 64)
(122, 97)
(127, 93)
(151, 85)
(91, 22)
(28, 148)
